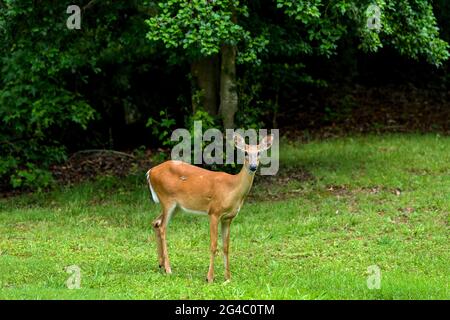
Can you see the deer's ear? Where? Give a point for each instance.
(266, 143)
(239, 142)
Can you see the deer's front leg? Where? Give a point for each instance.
(226, 245)
(213, 226)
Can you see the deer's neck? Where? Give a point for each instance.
(245, 180)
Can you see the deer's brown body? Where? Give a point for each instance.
(179, 185)
(195, 189)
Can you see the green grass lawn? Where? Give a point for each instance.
(374, 200)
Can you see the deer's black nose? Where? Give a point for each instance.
(253, 167)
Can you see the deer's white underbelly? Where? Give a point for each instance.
(193, 211)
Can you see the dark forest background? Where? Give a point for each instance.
(111, 85)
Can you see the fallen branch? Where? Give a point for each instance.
(89, 4)
(103, 151)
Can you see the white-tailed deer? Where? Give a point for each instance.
(179, 185)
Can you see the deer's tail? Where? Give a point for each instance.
(154, 195)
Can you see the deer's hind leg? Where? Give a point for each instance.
(160, 227)
(156, 224)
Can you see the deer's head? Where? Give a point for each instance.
(252, 152)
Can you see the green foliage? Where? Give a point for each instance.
(274, 37)
(55, 82)
(43, 67)
(31, 177)
(252, 108)
(201, 27)
(34, 100)
(208, 121)
(408, 25)
(162, 128)
(412, 29)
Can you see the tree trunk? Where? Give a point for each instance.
(228, 90)
(205, 73)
